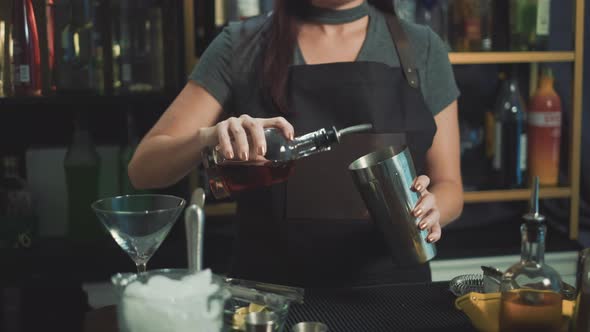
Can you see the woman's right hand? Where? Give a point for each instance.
(243, 138)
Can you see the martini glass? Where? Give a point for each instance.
(139, 223)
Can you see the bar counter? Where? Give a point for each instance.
(384, 308)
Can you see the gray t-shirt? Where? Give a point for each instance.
(215, 72)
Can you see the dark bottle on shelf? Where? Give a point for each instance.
(51, 61)
(17, 218)
(510, 136)
(3, 60)
(26, 57)
(501, 32)
(466, 25)
(138, 46)
(529, 24)
(81, 165)
(434, 13)
(78, 47)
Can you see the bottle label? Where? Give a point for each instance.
(497, 164)
(126, 72)
(523, 152)
(22, 74)
(543, 17)
(544, 119)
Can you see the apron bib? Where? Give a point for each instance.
(314, 230)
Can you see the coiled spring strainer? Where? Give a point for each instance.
(467, 283)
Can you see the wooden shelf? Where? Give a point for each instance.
(8, 103)
(464, 58)
(514, 195)
(227, 209)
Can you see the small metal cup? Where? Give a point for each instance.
(310, 327)
(263, 321)
(384, 178)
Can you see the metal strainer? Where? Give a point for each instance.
(467, 283)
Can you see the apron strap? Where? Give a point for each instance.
(404, 50)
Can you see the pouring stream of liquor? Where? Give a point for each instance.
(355, 129)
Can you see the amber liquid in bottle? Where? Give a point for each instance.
(239, 176)
(531, 310)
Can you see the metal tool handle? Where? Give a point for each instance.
(194, 222)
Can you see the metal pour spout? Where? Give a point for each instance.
(534, 215)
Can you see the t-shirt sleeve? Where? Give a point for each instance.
(439, 87)
(213, 71)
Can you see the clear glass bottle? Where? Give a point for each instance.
(531, 290)
(227, 176)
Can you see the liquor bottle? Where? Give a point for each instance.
(3, 57)
(466, 25)
(501, 32)
(544, 131)
(510, 136)
(50, 22)
(227, 176)
(26, 57)
(529, 23)
(531, 297)
(434, 13)
(78, 60)
(406, 10)
(487, 22)
(18, 222)
(138, 39)
(81, 165)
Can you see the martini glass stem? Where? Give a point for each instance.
(141, 267)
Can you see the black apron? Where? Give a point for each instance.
(314, 230)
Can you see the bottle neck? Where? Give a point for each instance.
(533, 242)
(314, 142)
(546, 84)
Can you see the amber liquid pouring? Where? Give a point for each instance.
(241, 177)
(529, 310)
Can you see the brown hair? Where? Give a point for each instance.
(280, 45)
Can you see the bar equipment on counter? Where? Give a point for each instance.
(581, 320)
(384, 179)
(531, 290)
(310, 327)
(230, 176)
(197, 300)
(139, 223)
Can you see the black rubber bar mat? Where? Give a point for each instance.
(411, 307)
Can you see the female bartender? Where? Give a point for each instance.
(313, 64)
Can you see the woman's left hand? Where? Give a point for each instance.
(426, 209)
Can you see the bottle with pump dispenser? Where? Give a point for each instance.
(228, 176)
